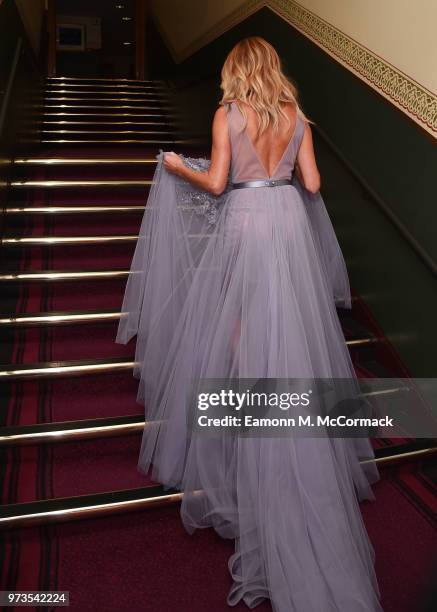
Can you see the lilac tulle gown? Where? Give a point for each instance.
(245, 285)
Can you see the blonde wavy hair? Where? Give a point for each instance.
(252, 73)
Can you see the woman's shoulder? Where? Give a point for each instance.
(220, 118)
(221, 110)
(224, 108)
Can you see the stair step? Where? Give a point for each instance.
(142, 94)
(364, 341)
(58, 318)
(71, 317)
(78, 184)
(106, 141)
(150, 123)
(99, 115)
(74, 161)
(61, 275)
(59, 240)
(85, 429)
(141, 99)
(51, 369)
(54, 210)
(190, 142)
(152, 142)
(104, 87)
(142, 132)
(198, 142)
(86, 506)
(159, 110)
(103, 80)
(71, 430)
(56, 510)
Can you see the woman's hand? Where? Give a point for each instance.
(173, 162)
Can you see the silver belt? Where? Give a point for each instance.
(262, 183)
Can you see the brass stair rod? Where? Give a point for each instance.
(103, 504)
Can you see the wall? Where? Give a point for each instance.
(182, 23)
(400, 31)
(187, 27)
(105, 54)
(20, 92)
(32, 13)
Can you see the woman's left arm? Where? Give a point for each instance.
(215, 178)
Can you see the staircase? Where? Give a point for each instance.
(70, 423)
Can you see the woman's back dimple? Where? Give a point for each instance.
(249, 158)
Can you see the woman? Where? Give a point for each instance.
(237, 277)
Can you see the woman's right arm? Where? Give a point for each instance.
(307, 170)
(215, 178)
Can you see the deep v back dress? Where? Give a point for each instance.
(252, 299)
(245, 160)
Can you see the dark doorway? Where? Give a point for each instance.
(95, 38)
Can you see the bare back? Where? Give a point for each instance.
(272, 155)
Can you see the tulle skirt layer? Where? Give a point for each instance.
(252, 297)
